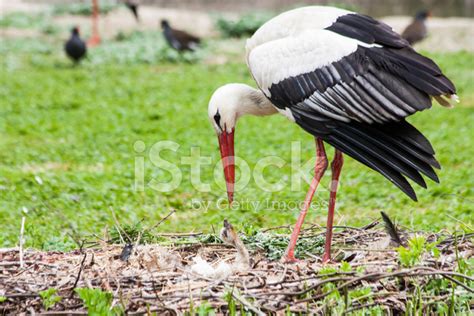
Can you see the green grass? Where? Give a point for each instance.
(67, 151)
(84, 8)
(40, 22)
(23, 20)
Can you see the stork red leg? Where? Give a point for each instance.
(336, 167)
(319, 169)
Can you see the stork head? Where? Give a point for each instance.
(222, 113)
(226, 105)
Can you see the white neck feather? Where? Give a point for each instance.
(254, 102)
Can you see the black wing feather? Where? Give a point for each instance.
(360, 155)
(358, 103)
(367, 30)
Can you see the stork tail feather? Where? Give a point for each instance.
(396, 151)
(391, 230)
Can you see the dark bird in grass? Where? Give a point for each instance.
(349, 81)
(417, 31)
(75, 47)
(179, 40)
(126, 252)
(133, 6)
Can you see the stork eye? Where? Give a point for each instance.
(217, 118)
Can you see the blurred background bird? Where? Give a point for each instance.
(179, 40)
(416, 31)
(133, 6)
(75, 47)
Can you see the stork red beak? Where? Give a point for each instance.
(226, 146)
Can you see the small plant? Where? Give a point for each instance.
(345, 267)
(230, 303)
(246, 25)
(84, 8)
(98, 302)
(49, 298)
(327, 270)
(132, 232)
(360, 293)
(2, 299)
(22, 20)
(275, 246)
(141, 48)
(205, 309)
(417, 246)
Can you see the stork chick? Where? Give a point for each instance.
(230, 237)
(223, 269)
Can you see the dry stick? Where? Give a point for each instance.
(137, 242)
(179, 234)
(22, 231)
(376, 275)
(153, 285)
(379, 276)
(152, 310)
(436, 300)
(460, 221)
(21, 295)
(377, 294)
(352, 309)
(24, 270)
(448, 273)
(371, 225)
(15, 263)
(308, 289)
(346, 227)
(275, 228)
(74, 313)
(316, 277)
(283, 277)
(118, 227)
(451, 239)
(78, 275)
(366, 249)
(160, 221)
(458, 283)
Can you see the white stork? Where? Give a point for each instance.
(348, 80)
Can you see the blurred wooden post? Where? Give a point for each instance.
(95, 38)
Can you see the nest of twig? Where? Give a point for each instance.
(157, 278)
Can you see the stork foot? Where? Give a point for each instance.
(327, 260)
(289, 259)
(326, 257)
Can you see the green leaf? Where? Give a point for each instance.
(345, 267)
(98, 302)
(49, 298)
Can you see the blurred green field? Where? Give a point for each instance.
(67, 152)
